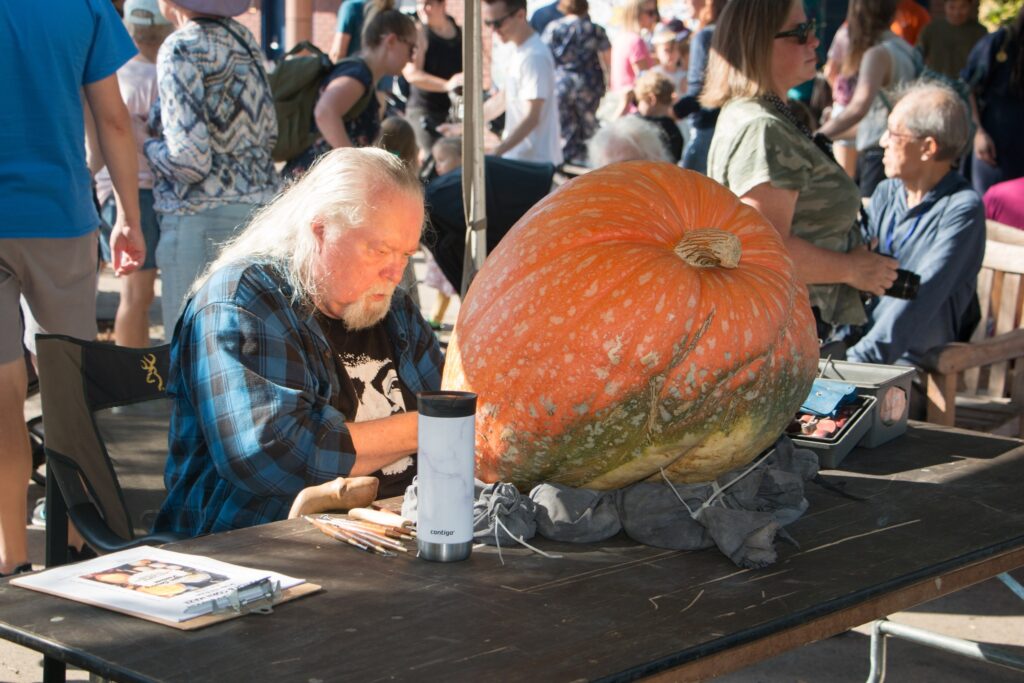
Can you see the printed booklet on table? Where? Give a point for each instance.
(157, 583)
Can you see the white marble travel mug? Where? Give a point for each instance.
(444, 491)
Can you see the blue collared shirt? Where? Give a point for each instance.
(252, 376)
(942, 239)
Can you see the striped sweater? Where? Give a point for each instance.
(215, 120)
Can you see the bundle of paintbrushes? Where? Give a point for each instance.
(375, 537)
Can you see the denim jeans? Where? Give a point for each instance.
(150, 228)
(695, 156)
(188, 244)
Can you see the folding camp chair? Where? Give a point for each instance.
(77, 379)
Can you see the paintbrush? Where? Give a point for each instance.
(337, 534)
(389, 531)
(369, 536)
(350, 537)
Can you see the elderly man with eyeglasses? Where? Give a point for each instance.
(928, 218)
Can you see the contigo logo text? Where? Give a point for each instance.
(441, 532)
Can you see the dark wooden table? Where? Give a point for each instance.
(944, 510)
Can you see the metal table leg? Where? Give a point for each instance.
(965, 648)
(55, 671)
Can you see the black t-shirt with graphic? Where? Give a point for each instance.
(370, 387)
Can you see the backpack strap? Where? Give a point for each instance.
(305, 46)
(241, 41)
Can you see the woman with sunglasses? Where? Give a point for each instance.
(347, 113)
(881, 60)
(630, 53)
(761, 151)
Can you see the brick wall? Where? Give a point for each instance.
(325, 13)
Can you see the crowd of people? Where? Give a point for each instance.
(281, 286)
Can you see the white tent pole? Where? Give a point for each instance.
(473, 188)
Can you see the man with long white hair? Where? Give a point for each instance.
(296, 360)
(627, 139)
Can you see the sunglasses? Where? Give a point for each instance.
(802, 32)
(497, 23)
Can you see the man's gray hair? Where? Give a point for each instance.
(627, 139)
(933, 109)
(340, 190)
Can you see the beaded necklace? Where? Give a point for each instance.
(819, 140)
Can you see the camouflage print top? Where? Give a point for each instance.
(753, 144)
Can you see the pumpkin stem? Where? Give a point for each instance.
(709, 248)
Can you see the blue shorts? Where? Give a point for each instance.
(150, 227)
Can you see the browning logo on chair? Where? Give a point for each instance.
(148, 364)
(141, 373)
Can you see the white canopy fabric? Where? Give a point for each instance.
(473, 187)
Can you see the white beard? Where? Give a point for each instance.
(365, 312)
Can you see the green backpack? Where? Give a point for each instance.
(295, 84)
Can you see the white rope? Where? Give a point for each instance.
(665, 477)
(720, 490)
(717, 490)
(519, 540)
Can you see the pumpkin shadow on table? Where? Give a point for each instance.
(915, 450)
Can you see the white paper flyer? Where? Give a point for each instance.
(156, 583)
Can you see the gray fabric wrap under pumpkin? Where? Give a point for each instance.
(742, 522)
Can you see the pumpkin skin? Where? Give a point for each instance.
(602, 358)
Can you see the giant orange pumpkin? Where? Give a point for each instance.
(639, 320)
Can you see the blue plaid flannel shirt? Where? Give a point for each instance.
(251, 378)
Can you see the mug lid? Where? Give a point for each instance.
(446, 403)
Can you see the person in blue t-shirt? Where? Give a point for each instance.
(54, 54)
(353, 15)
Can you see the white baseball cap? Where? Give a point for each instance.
(143, 13)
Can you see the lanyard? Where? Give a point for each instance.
(892, 233)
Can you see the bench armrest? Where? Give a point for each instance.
(956, 357)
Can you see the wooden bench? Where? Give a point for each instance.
(980, 384)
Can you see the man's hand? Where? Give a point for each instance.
(523, 129)
(454, 82)
(127, 247)
(117, 145)
(450, 130)
(984, 147)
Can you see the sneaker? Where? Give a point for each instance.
(39, 513)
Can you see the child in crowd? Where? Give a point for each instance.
(137, 80)
(945, 42)
(654, 96)
(397, 136)
(672, 52)
(447, 153)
